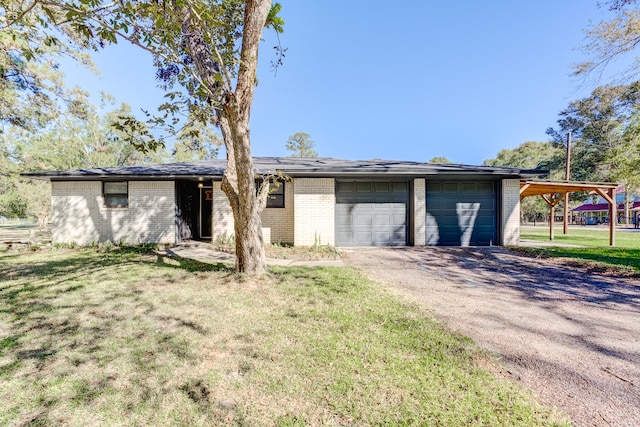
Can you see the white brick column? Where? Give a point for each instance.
(510, 212)
(314, 211)
(419, 212)
(222, 214)
(279, 222)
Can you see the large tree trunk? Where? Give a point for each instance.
(239, 184)
(233, 108)
(234, 119)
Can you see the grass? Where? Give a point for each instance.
(594, 246)
(287, 251)
(124, 337)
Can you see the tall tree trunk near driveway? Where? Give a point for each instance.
(233, 111)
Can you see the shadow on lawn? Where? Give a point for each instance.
(84, 319)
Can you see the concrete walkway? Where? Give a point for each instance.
(204, 252)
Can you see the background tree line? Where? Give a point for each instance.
(605, 126)
(79, 138)
(605, 130)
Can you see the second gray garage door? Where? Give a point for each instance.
(372, 213)
(461, 213)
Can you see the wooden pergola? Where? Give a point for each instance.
(554, 191)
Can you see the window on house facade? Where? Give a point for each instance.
(275, 199)
(115, 194)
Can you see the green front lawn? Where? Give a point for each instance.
(594, 246)
(117, 337)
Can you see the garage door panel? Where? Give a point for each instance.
(382, 220)
(345, 187)
(363, 220)
(363, 187)
(383, 207)
(382, 237)
(399, 236)
(450, 187)
(382, 187)
(448, 221)
(344, 220)
(468, 187)
(363, 237)
(485, 186)
(399, 220)
(461, 213)
(401, 187)
(376, 214)
(346, 236)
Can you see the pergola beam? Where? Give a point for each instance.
(553, 191)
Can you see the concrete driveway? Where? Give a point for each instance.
(569, 334)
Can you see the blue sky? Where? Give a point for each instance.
(404, 80)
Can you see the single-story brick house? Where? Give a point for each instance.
(328, 201)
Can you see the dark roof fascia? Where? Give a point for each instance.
(296, 168)
(432, 176)
(123, 177)
(336, 175)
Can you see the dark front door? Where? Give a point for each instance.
(206, 210)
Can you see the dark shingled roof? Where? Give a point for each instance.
(292, 166)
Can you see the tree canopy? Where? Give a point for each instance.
(603, 126)
(533, 155)
(69, 141)
(301, 145)
(206, 54)
(440, 160)
(611, 39)
(32, 89)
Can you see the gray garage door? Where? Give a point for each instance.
(461, 213)
(371, 213)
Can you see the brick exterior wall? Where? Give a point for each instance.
(222, 227)
(277, 223)
(510, 212)
(280, 221)
(314, 214)
(419, 212)
(78, 213)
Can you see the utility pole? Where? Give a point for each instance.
(565, 223)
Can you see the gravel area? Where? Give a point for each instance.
(569, 334)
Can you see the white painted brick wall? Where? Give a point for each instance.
(277, 223)
(419, 211)
(79, 214)
(222, 214)
(280, 220)
(75, 212)
(314, 213)
(510, 212)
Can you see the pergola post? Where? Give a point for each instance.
(613, 217)
(610, 197)
(552, 202)
(551, 221)
(565, 215)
